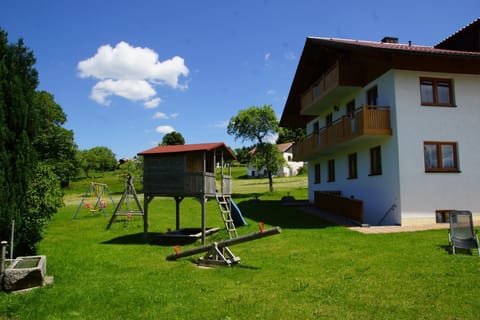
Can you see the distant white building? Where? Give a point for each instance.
(392, 128)
(289, 170)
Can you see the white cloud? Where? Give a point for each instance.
(152, 103)
(271, 138)
(129, 89)
(221, 124)
(266, 58)
(160, 115)
(164, 129)
(289, 55)
(131, 72)
(270, 92)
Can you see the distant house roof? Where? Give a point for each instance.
(217, 146)
(282, 147)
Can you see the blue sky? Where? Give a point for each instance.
(126, 72)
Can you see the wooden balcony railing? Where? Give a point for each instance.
(366, 121)
(337, 80)
(206, 183)
(327, 82)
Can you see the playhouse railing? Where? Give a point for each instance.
(205, 182)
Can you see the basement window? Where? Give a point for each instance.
(442, 216)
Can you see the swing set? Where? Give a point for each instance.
(123, 207)
(96, 193)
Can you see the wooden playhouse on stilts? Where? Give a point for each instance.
(189, 171)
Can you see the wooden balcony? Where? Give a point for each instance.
(335, 83)
(366, 122)
(206, 183)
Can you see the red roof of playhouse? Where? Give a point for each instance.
(220, 146)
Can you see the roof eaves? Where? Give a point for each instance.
(390, 47)
(470, 25)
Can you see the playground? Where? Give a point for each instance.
(312, 270)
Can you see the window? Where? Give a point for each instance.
(436, 92)
(317, 173)
(331, 170)
(351, 109)
(329, 120)
(375, 161)
(440, 156)
(442, 216)
(316, 127)
(352, 166)
(372, 96)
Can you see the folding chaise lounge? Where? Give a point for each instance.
(462, 234)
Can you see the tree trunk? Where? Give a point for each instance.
(270, 181)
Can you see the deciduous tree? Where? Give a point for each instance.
(53, 143)
(173, 139)
(256, 124)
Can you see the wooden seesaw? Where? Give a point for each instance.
(218, 253)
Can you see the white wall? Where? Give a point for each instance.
(423, 193)
(404, 182)
(291, 169)
(380, 192)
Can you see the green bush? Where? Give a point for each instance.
(43, 198)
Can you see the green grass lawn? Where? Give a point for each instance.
(312, 270)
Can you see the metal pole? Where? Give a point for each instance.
(2, 261)
(11, 239)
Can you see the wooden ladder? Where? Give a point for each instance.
(225, 206)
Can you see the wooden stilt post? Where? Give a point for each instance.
(146, 200)
(177, 211)
(204, 219)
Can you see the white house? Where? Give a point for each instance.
(290, 169)
(392, 128)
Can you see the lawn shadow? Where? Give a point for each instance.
(459, 251)
(274, 212)
(153, 238)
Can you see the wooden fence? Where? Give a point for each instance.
(334, 203)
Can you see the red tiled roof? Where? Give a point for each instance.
(393, 46)
(189, 148)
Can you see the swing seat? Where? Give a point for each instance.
(89, 207)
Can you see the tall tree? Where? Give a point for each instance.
(19, 124)
(173, 139)
(243, 154)
(290, 135)
(256, 124)
(54, 144)
(97, 158)
(267, 156)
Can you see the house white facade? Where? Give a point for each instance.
(395, 126)
(290, 169)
